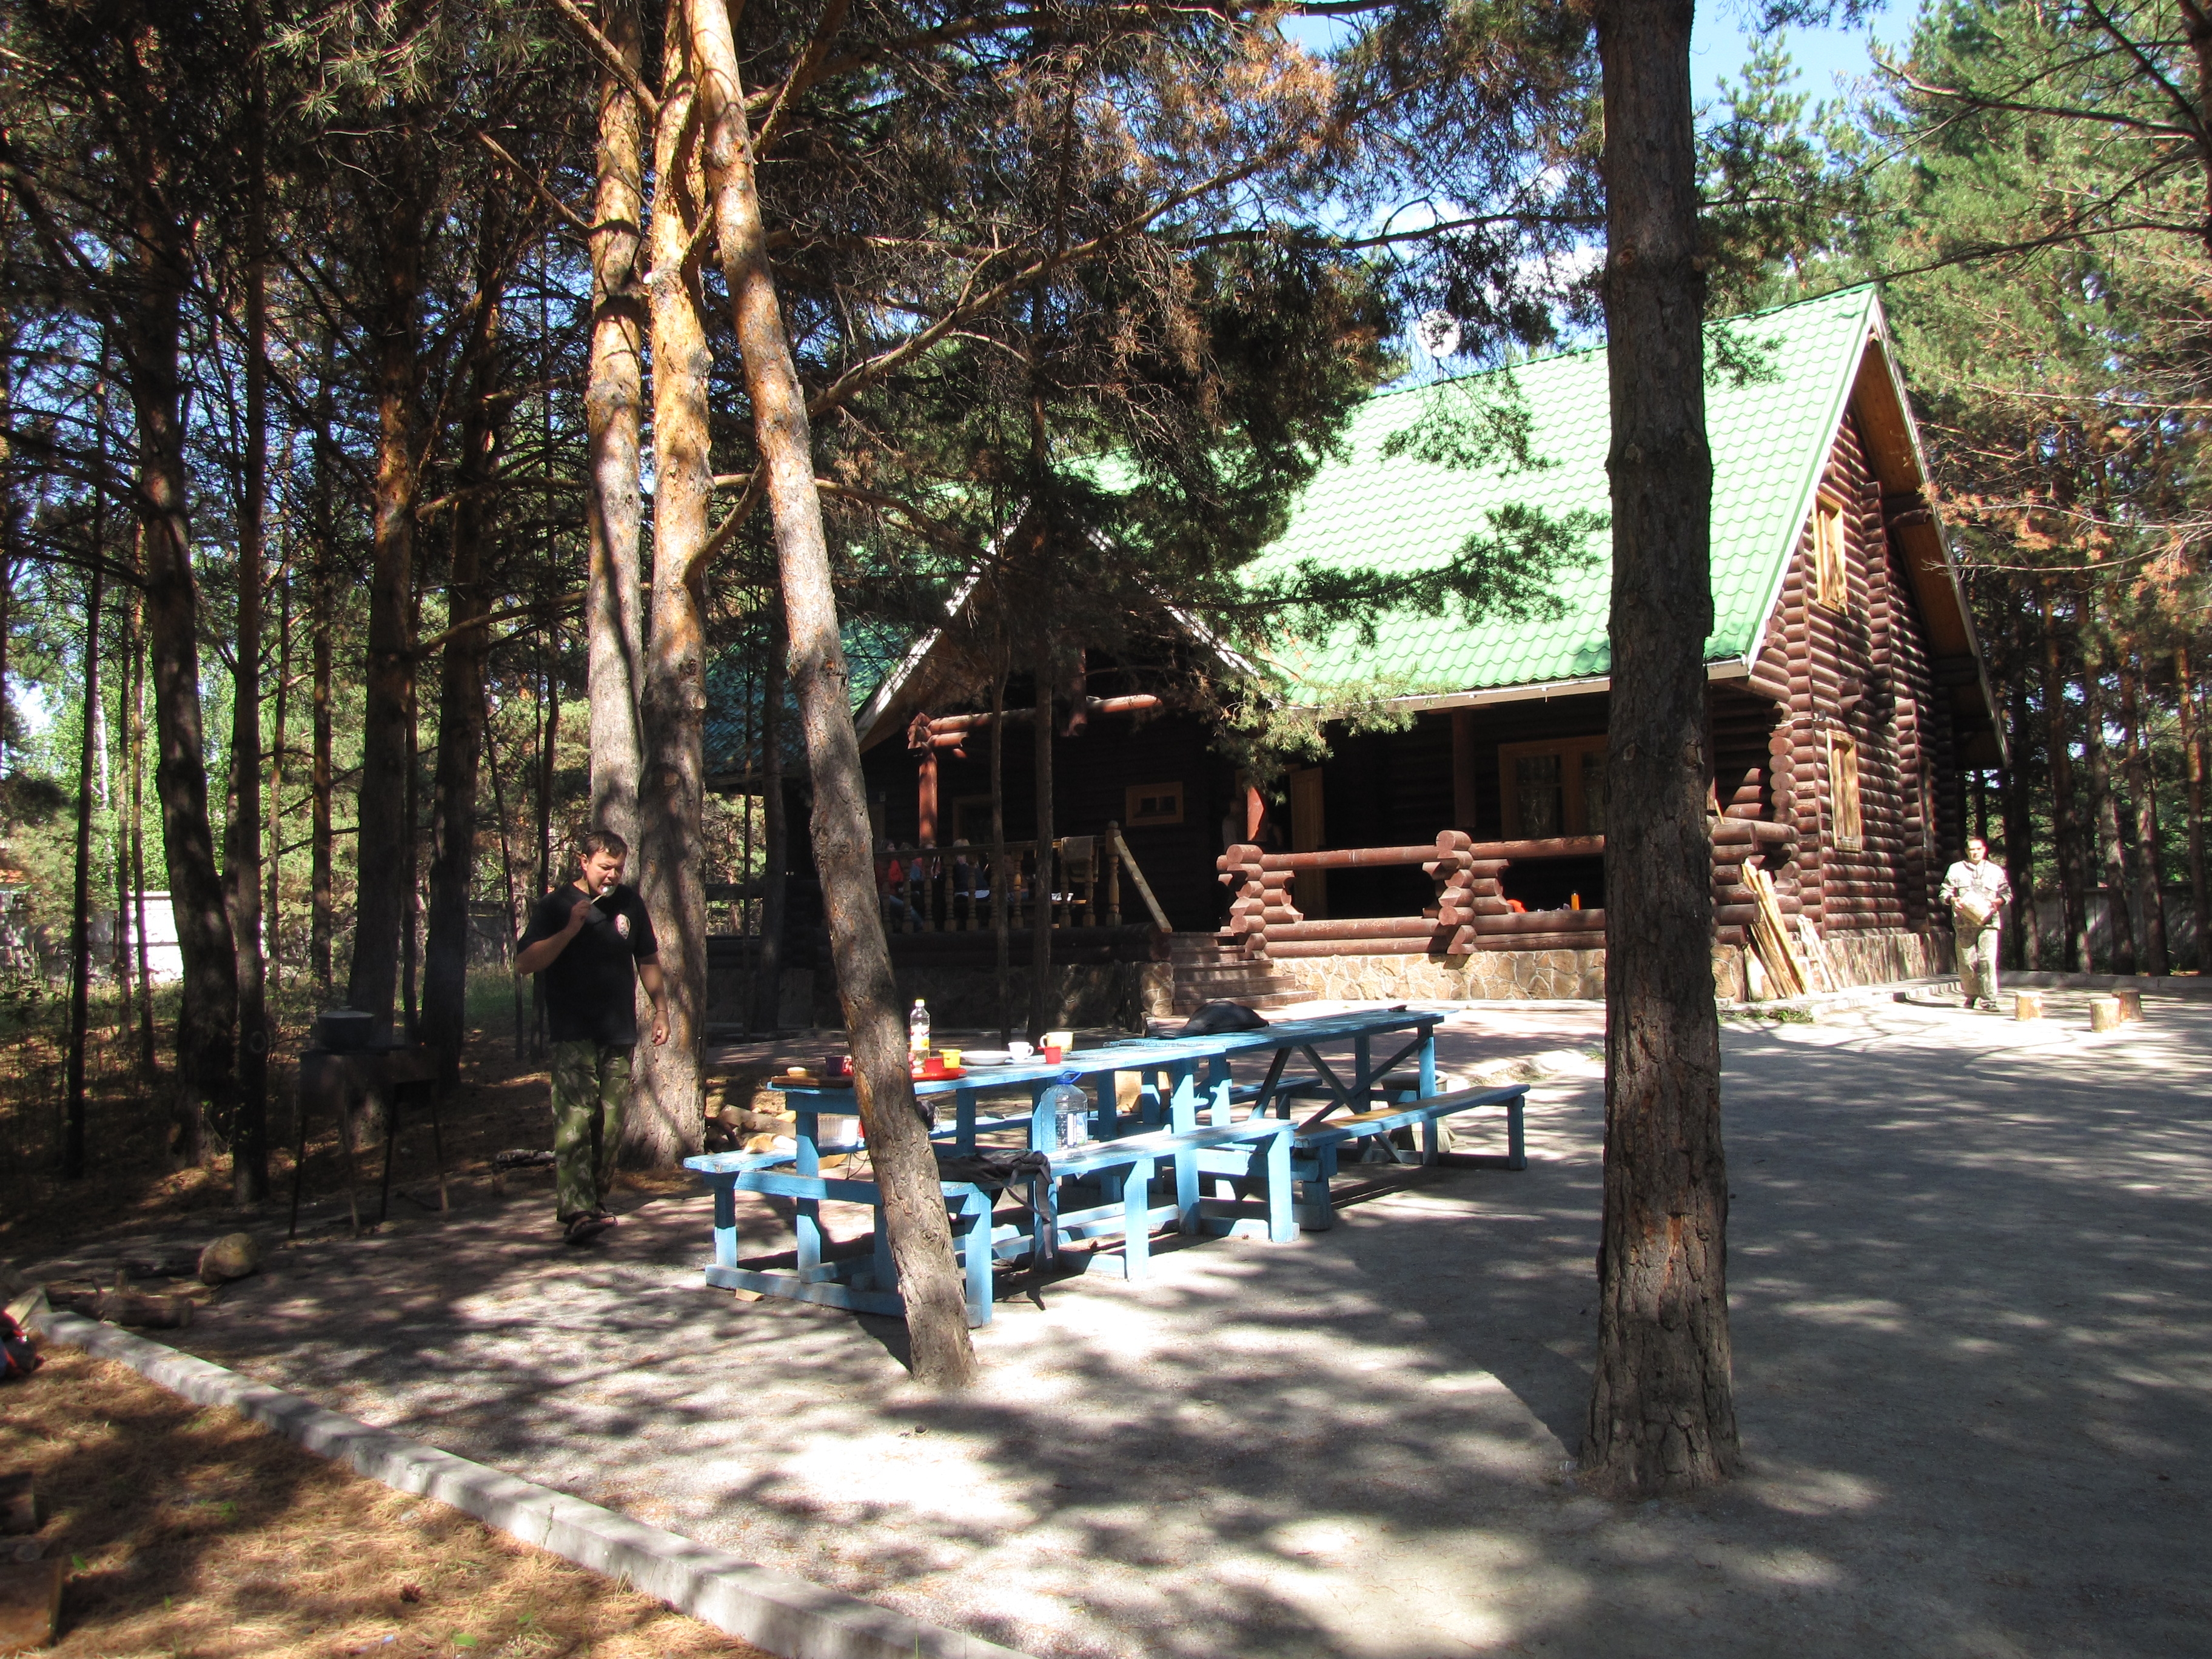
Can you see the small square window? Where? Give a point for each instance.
(1149, 805)
(1843, 790)
(1832, 585)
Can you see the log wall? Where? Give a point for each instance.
(1864, 672)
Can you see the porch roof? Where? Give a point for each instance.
(1770, 438)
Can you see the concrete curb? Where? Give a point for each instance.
(787, 1616)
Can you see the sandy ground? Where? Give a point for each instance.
(193, 1532)
(1971, 1286)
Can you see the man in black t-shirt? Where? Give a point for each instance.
(593, 942)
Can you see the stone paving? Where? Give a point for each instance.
(1971, 1274)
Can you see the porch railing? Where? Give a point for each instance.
(1472, 911)
(952, 889)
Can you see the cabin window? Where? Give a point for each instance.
(1843, 790)
(1150, 805)
(1832, 584)
(1555, 788)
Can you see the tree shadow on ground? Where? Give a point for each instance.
(1973, 1308)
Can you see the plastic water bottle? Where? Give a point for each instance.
(1070, 1108)
(917, 1030)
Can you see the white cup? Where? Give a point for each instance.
(1020, 1050)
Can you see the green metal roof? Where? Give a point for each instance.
(1770, 438)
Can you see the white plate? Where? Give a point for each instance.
(986, 1057)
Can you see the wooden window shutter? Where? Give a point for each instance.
(1843, 791)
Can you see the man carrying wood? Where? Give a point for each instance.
(594, 943)
(1976, 889)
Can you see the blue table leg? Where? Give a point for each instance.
(1517, 1141)
(1315, 1213)
(1136, 1218)
(1185, 1119)
(1282, 1226)
(964, 1119)
(1428, 1063)
(806, 1221)
(975, 1254)
(726, 1221)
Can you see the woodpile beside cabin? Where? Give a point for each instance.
(1463, 854)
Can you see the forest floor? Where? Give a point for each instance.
(193, 1532)
(1973, 1345)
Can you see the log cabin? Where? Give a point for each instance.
(1463, 853)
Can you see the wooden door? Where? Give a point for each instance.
(1308, 835)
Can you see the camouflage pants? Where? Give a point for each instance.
(591, 1080)
(1978, 962)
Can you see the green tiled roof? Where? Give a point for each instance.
(1769, 440)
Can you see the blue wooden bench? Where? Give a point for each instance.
(1124, 1168)
(1317, 1141)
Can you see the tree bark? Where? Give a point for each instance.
(149, 1064)
(2066, 821)
(2019, 815)
(1002, 889)
(613, 401)
(2104, 807)
(249, 1153)
(666, 1106)
(1663, 1411)
(461, 680)
(80, 1002)
(380, 895)
(322, 918)
(898, 1130)
(776, 837)
(208, 1008)
(2192, 764)
(2150, 906)
(1041, 973)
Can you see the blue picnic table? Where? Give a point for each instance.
(1229, 1173)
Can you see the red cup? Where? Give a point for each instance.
(1052, 1053)
(933, 1065)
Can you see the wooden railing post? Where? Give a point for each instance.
(1453, 872)
(1112, 874)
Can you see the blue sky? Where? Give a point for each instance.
(1718, 46)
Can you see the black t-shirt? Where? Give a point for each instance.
(590, 988)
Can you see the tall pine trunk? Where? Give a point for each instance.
(1042, 1007)
(381, 862)
(2019, 815)
(2193, 766)
(73, 1093)
(207, 1018)
(1663, 1413)
(898, 1130)
(461, 680)
(2105, 815)
(2150, 905)
(1002, 887)
(249, 1159)
(614, 400)
(776, 837)
(666, 1108)
(2066, 818)
(322, 616)
(135, 646)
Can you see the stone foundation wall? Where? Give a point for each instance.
(1871, 959)
(1479, 975)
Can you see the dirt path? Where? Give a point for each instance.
(1972, 1290)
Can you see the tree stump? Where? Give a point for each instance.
(2104, 1014)
(2028, 1004)
(2130, 1004)
(30, 1605)
(19, 1503)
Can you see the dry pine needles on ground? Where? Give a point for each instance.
(191, 1531)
